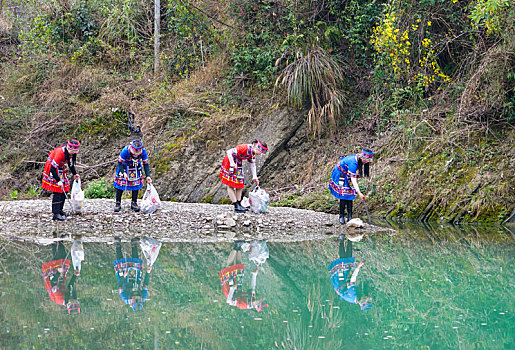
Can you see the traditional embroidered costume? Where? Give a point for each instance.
(235, 178)
(131, 165)
(339, 272)
(234, 293)
(231, 171)
(129, 173)
(341, 185)
(129, 276)
(55, 171)
(55, 281)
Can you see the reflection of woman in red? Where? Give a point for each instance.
(231, 171)
(231, 279)
(55, 273)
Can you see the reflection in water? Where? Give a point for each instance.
(232, 276)
(340, 270)
(55, 273)
(432, 288)
(132, 287)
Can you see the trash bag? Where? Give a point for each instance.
(150, 248)
(245, 202)
(77, 197)
(258, 252)
(151, 201)
(77, 253)
(259, 200)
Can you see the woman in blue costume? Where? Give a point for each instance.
(344, 184)
(341, 269)
(129, 175)
(132, 287)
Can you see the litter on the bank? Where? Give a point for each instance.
(151, 201)
(77, 197)
(258, 199)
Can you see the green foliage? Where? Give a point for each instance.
(194, 38)
(99, 189)
(114, 125)
(495, 15)
(253, 61)
(316, 78)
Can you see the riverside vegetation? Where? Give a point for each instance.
(427, 84)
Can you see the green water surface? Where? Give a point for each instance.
(431, 288)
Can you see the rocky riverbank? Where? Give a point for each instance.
(175, 222)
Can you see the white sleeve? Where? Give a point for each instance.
(354, 276)
(230, 294)
(231, 159)
(253, 281)
(253, 170)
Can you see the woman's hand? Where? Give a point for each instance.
(76, 177)
(149, 180)
(361, 263)
(60, 184)
(149, 269)
(362, 196)
(256, 182)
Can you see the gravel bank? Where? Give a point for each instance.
(176, 222)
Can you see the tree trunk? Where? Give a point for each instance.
(157, 32)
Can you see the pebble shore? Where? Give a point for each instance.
(175, 222)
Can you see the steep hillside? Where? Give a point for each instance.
(428, 85)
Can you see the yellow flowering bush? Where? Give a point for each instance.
(392, 42)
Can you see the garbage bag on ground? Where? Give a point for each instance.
(77, 253)
(150, 248)
(77, 197)
(259, 200)
(151, 201)
(245, 202)
(258, 252)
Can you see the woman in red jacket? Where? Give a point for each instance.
(54, 175)
(231, 171)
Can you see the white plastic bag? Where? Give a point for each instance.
(259, 200)
(77, 253)
(151, 201)
(77, 197)
(150, 248)
(258, 252)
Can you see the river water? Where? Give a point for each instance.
(425, 287)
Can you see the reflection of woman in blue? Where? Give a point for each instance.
(340, 269)
(133, 288)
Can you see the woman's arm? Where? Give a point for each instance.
(354, 276)
(356, 187)
(231, 158)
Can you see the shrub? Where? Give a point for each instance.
(315, 77)
(99, 189)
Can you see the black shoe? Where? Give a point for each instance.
(342, 219)
(238, 208)
(117, 207)
(63, 213)
(237, 244)
(58, 217)
(134, 206)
